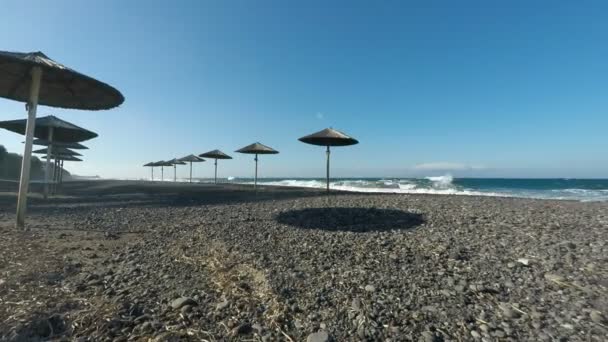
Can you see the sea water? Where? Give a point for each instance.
(559, 188)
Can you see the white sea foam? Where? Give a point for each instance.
(381, 186)
(442, 182)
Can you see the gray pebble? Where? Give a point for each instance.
(320, 336)
(179, 302)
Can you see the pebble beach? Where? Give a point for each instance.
(142, 261)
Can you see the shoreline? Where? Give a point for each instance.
(7, 187)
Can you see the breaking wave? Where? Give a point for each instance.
(447, 185)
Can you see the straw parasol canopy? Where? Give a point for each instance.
(57, 150)
(62, 131)
(215, 154)
(257, 148)
(192, 159)
(329, 137)
(60, 86)
(72, 145)
(65, 157)
(34, 78)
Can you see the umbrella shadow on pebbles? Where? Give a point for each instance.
(357, 220)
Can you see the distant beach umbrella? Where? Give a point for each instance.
(162, 165)
(151, 165)
(72, 145)
(257, 148)
(329, 137)
(57, 150)
(192, 159)
(52, 129)
(35, 79)
(215, 154)
(175, 162)
(59, 159)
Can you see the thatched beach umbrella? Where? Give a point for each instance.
(329, 137)
(52, 129)
(162, 165)
(175, 162)
(151, 165)
(59, 159)
(192, 159)
(257, 148)
(72, 145)
(215, 154)
(35, 79)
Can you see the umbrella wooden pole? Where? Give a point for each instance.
(328, 153)
(162, 173)
(151, 174)
(255, 180)
(58, 177)
(47, 168)
(190, 171)
(216, 171)
(55, 174)
(61, 173)
(174, 173)
(24, 180)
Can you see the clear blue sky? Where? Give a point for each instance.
(477, 88)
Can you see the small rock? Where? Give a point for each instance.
(179, 302)
(242, 329)
(356, 304)
(597, 317)
(508, 312)
(554, 277)
(370, 288)
(320, 336)
(167, 336)
(222, 305)
(475, 334)
(428, 336)
(498, 333)
(524, 261)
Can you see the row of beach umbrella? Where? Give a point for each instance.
(60, 138)
(215, 154)
(327, 137)
(33, 78)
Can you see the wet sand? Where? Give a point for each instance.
(126, 260)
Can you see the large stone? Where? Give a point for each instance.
(183, 301)
(320, 336)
